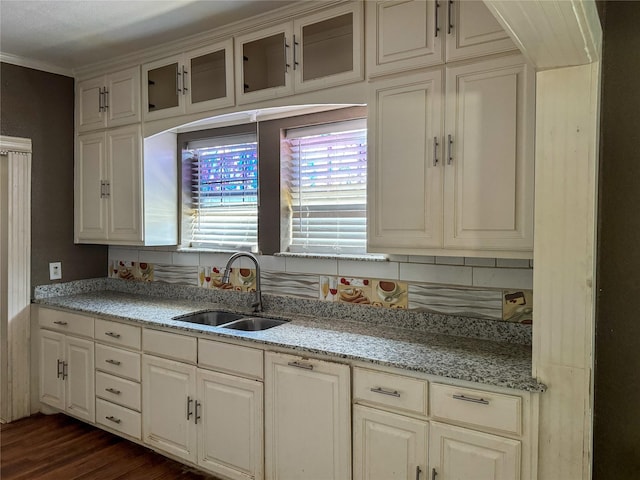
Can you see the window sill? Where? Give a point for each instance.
(334, 256)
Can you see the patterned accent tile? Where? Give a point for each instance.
(185, 275)
(128, 270)
(297, 285)
(518, 306)
(456, 301)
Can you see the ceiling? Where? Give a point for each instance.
(68, 34)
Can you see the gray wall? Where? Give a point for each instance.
(617, 359)
(39, 105)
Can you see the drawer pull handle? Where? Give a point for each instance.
(112, 334)
(197, 415)
(113, 390)
(60, 322)
(418, 472)
(434, 474)
(305, 366)
(113, 362)
(189, 402)
(391, 393)
(113, 419)
(481, 401)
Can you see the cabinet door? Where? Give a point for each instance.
(456, 453)
(122, 99)
(209, 77)
(490, 121)
(80, 384)
(404, 35)
(328, 48)
(125, 184)
(264, 64)
(51, 369)
(387, 446)
(90, 201)
(168, 406)
(162, 88)
(473, 31)
(405, 164)
(230, 430)
(307, 419)
(89, 104)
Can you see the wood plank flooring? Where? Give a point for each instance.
(58, 447)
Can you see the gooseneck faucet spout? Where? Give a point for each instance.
(257, 303)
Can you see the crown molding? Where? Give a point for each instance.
(15, 144)
(35, 64)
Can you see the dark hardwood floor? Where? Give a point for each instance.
(58, 447)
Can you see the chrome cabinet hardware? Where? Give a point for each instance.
(105, 102)
(100, 105)
(434, 474)
(437, 12)
(435, 151)
(112, 334)
(450, 16)
(113, 362)
(113, 419)
(295, 60)
(418, 472)
(178, 89)
(184, 81)
(60, 322)
(103, 189)
(450, 149)
(286, 64)
(305, 366)
(64, 370)
(391, 393)
(59, 371)
(189, 412)
(481, 401)
(197, 417)
(113, 390)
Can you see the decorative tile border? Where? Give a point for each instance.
(127, 270)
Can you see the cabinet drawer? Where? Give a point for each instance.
(476, 407)
(118, 333)
(118, 390)
(66, 322)
(119, 418)
(170, 345)
(244, 361)
(119, 362)
(389, 390)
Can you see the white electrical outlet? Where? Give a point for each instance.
(55, 270)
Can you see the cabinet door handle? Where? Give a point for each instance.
(100, 99)
(189, 412)
(197, 416)
(295, 60)
(437, 17)
(481, 401)
(113, 419)
(450, 16)
(434, 474)
(382, 391)
(107, 186)
(113, 362)
(286, 64)
(102, 189)
(418, 472)
(305, 366)
(435, 151)
(113, 390)
(105, 94)
(60, 322)
(112, 334)
(58, 370)
(64, 370)
(450, 149)
(178, 89)
(184, 81)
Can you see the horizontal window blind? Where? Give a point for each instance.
(325, 173)
(224, 192)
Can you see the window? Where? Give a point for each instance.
(221, 175)
(324, 175)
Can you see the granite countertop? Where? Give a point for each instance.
(483, 361)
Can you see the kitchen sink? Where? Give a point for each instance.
(254, 324)
(210, 317)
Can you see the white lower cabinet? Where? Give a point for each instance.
(307, 419)
(66, 374)
(388, 446)
(460, 453)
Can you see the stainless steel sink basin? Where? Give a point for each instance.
(210, 317)
(254, 324)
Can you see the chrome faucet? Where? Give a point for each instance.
(257, 303)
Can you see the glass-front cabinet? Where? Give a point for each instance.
(192, 82)
(314, 52)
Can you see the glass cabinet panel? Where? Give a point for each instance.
(208, 77)
(327, 47)
(163, 87)
(264, 63)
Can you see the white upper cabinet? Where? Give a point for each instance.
(191, 82)
(405, 35)
(108, 101)
(313, 52)
(465, 187)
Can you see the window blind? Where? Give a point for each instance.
(325, 174)
(224, 193)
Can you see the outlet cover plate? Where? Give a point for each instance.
(55, 271)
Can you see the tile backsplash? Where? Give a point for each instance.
(496, 289)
